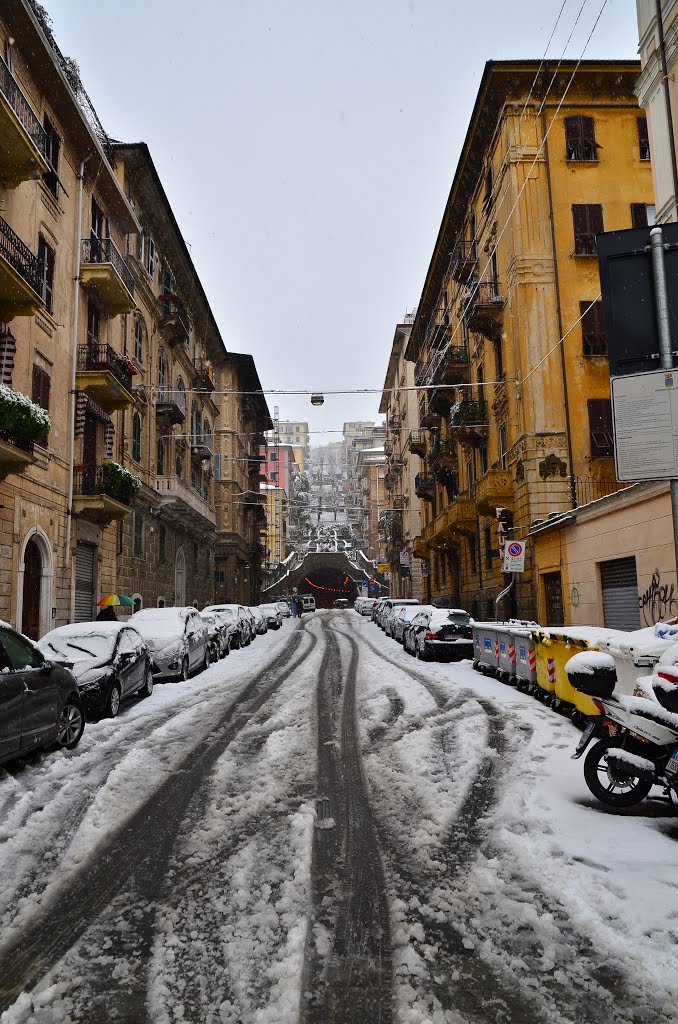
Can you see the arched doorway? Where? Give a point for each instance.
(32, 588)
(180, 579)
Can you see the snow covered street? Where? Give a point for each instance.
(320, 828)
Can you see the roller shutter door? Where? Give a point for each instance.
(84, 582)
(620, 593)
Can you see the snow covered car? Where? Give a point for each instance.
(340, 602)
(284, 609)
(401, 619)
(110, 662)
(176, 639)
(441, 634)
(240, 622)
(387, 610)
(39, 701)
(218, 645)
(272, 614)
(260, 621)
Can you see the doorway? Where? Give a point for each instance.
(30, 616)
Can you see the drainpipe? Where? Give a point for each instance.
(568, 428)
(667, 102)
(74, 366)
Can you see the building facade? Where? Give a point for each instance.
(657, 92)
(509, 339)
(371, 472)
(297, 435)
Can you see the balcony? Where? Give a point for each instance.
(204, 381)
(428, 417)
(104, 270)
(424, 487)
(101, 494)
(105, 374)
(388, 448)
(202, 447)
(174, 320)
(486, 307)
(442, 455)
(494, 490)
(469, 419)
(182, 504)
(171, 405)
(19, 276)
(15, 456)
(464, 259)
(417, 443)
(22, 154)
(461, 516)
(420, 548)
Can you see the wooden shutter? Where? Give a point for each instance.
(638, 215)
(587, 220)
(643, 138)
(574, 139)
(41, 386)
(594, 338)
(600, 427)
(588, 131)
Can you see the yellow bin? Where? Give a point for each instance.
(543, 650)
(565, 642)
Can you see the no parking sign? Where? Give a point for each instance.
(514, 556)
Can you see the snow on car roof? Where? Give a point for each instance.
(88, 628)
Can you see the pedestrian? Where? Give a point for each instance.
(293, 607)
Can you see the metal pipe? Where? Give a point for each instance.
(502, 595)
(667, 102)
(74, 368)
(661, 296)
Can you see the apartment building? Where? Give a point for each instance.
(401, 523)
(109, 354)
(297, 435)
(509, 339)
(371, 470)
(657, 92)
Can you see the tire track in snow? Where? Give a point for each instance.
(139, 850)
(352, 982)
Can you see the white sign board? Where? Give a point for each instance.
(645, 418)
(404, 557)
(514, 556)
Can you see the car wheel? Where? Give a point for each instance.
(147, 689)
(227, 649)
(71, 726)
(209, 658)
(185, 667)
(113, 701)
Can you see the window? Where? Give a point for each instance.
(643, 215)
(473, 555)
(20, 654)
(195, 558)
(40, 395)
(162, 369)
(138, 536)
(52, 147)
(498, 359)
(553, 598)
(162, 547)
(487, 198)
(138, 340)
(150, 257)
(136, 437)
(643, 138)
(160, 457)
(580, 138)
(503, 446)
(179, 466)
(274, 477)
(161, 602)
(46, 258)
(594, 341)
(93, 323)
(600, 427)
(587, 220)
(487, 535)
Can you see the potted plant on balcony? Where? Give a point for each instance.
(22, 422)
(120, 483)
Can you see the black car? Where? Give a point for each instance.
(110, 661)
(39, 701)
(440, 634)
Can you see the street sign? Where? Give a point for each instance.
(384, 567)
(645, 421)
(514, 556)
(424, 569)
(404, 557)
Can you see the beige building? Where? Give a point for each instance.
(371, 470)
(277, 522)
(297, 435)
(401, 523)
(657, 91)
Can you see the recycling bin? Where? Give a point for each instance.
(565, 642)
(506, 656)
(525, 658)
(545, 665)
(486, 647)
(635, 654)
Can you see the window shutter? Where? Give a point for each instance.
(151, 257)
(217, 467)
(40, 387)
(600, 427)
(638, 215)
(140, 247)
(595, 215)
(573, 136)
(594, 338)
(588, 133)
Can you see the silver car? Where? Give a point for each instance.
(176, 639)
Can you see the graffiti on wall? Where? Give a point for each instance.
(659, 602)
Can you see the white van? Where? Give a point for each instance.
(307, 603)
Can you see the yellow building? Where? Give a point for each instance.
(509, 340)
(295, 434)
(276, 522)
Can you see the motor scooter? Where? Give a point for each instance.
(637, 737)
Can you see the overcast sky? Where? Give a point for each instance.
(308, 147)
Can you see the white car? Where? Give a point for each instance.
(176, 639)
(260, 621)
(272, 614)
(284, 609)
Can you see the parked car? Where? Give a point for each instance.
(110, 662)
(387, 609)
(376, 608)
(284, 609)
(240, 622)
(307, 603)
(176, 639)
(218, 645)
(341, 602)
(260, 621)
(272, 614)
(440, 634)
(401, 619)
(39, 701)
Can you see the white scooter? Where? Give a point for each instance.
(638, 738)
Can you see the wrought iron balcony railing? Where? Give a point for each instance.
(589, 489)
(464, 258)
(486, 293)
(104, 250)
(89, 481)
(204, 381)
(19, 256)
(424, 486)
(417, 442)
(95, 356)
(469, 412)
(12, 92)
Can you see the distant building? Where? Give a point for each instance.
(297, 435)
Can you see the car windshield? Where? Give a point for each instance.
(161, 622)
(75, 647)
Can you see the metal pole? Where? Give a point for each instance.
(665, 346)
(503, 594)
